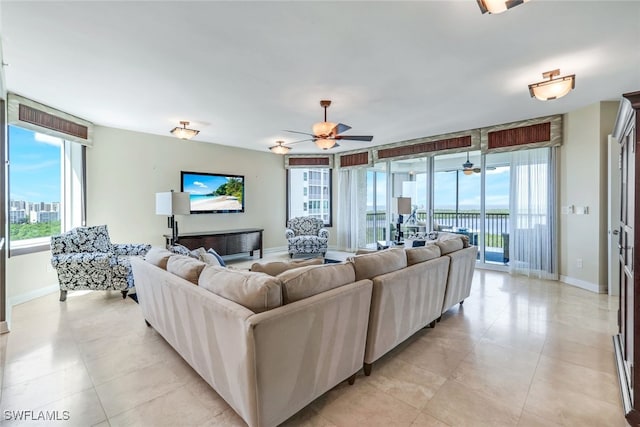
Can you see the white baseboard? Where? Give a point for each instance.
(582, 284)
(28, 296)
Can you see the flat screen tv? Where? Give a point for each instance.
(213, 192)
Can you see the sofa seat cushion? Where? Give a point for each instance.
(186, 267)
(276, 267)
(256, 291)
(158, 257)
(422, 254)
(450, 245)
(374, 264)
(303, 282)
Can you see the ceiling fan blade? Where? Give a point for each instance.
(476, 170)
(302, 140)
(340, 127)
(303, 133)
(354, 137)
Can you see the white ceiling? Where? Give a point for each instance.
(242, 72)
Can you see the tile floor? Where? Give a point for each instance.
(519, 352)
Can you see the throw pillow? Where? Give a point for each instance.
(185, 267)
(180, 250)
(215, 254)
(158, 257)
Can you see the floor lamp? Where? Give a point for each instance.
(171, 203)
(403, 205)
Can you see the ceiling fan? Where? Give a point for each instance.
(468, 169)
(326, 134)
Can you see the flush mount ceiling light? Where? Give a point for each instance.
(183, 132)
(498, 6)
(279, 148)
(552, 88)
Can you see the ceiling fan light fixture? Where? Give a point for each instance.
(467, 171)
(323, 128)
(498, 6)
(183, 132)
(553, 88)
(325, 144)
(279, 148)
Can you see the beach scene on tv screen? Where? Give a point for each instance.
(214, 193)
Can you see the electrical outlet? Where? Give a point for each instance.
(579, 262)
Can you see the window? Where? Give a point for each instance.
(45, 188)
(314, 197)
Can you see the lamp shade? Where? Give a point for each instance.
(325, 144)
(403, 204)
(279, 148)
(552, 88)
(498, 6)
(171, 203)
(323, 128)
(183, 132)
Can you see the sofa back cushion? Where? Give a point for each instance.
(186, 267)
(444, 235)
(450, 245)
(276, 267)
(374, 264)
(158, 257)
(422, 254)
(256, 291)
(304, 282)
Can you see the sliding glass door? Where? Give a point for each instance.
(376, 212)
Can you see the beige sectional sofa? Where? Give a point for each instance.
(270, 360)
(273, 339)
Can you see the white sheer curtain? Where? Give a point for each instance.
(532, 225)
(352, 201)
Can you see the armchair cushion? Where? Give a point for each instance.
(306, 235)
(85, 258)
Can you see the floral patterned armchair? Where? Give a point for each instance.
(85, 258)
(307, 236)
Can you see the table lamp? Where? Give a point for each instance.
(403, 205)
(171, 203)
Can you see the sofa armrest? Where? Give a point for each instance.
(139, 249)
(323, 232)
(92, 260)
(305, 348)
(289, 234)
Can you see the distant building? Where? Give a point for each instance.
(21, 211)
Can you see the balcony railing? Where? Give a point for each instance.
(496, 225)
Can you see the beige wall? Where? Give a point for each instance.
(125, 169)
(583, 182)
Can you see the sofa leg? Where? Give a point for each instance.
(147, 322)
(461, 302)
(367, 368)
(439, 319)
(124, 294)
(352, 379)
(432, 324)
(63, 295)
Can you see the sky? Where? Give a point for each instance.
(34, 166)
(201, 183)
(497, 190)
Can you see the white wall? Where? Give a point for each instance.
(583, 182)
